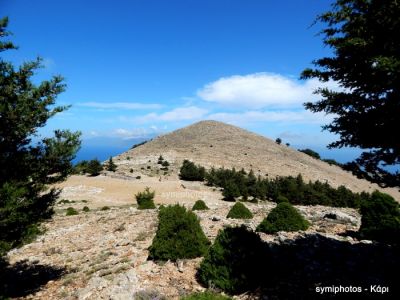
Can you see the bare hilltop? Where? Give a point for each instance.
(101, 250)
(216, 144)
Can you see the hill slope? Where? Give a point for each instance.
(212, 143)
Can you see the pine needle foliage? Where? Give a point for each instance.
(234, 262)
(239, 211)
(145, 199)
(179, 235)
(284, 217)
(200, 205)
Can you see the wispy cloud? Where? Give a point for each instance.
(283, 116)
(261, 90)
(124, 133)
(178, 114)
(120, 105)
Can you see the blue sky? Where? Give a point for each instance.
(140, 68)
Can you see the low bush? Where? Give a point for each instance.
(85, 209)
(65, 201)
(239, 183)
(94, 167)
(71, 211)
(200, 205)
(239, 211)
(281, 199)
(310, 153)
(284, 217)
(105, 208)
(207, 295)
(145, 199)
(189, 171)
(380, 218)
(179, 235)
(234, 262)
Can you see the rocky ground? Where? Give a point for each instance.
(103, 253)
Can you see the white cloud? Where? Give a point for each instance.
(283, 116)
(177, 114)
(261, 90)
(120, 105)
(131, 133)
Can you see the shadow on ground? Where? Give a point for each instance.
(304, 268)
(297, 268)
(24, 278)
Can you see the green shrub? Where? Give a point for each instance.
(380, 218)
(165, 163)
(231, 191)
(239, 183)
(189, 171)
(94, 167)
(207, 295)
(310, 153)
(80, 167)
(178, 235)
(239, 211)
(85, 209)
(71, 211)
(105, 208)
(281, 199)
(65, 201)
(200, 205)
(284, 217)
(234, 261)
(111, 166)
(145, 199)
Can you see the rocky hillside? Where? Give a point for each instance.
(212, 143)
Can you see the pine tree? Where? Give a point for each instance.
(111, 166)
(27, 168)
(364, 37)
(94, 167)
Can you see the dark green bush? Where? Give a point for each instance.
(85, 209)
(105, 208)
(145, 199)
(281, 199)
(200, 205)
(71, 211)
(239, 183)
(239, 211)
(231, 191)
(189, 171)
(94, 167)
(165, 163)
(80, 167)
(284, 217)
(178, 235)
(234, 261)
(311, 153)
(380, 218)
(207, 295)
(111, 166)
